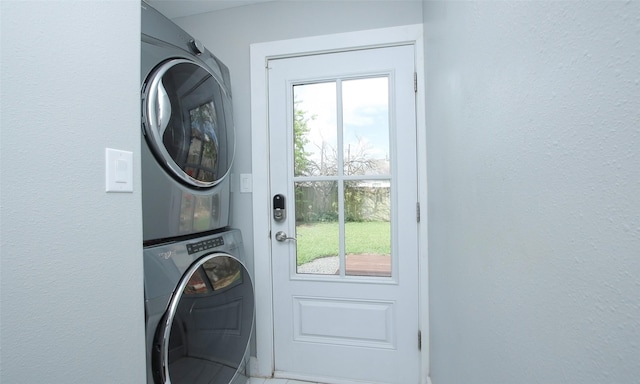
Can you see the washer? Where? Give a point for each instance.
(187, 124)
(199, 307)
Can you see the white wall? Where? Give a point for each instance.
(229, 33)
(533, 112)
(71, 263)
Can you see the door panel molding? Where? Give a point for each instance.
(263, 363)
(375, 320)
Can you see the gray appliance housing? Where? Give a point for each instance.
(199, 309)
(185, 160)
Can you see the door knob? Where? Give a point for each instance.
(282, 236)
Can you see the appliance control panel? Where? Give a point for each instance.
(205, 245)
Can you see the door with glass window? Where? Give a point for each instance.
(344, 227)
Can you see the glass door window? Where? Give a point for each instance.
(342, 177)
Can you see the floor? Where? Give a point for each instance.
(257, 380)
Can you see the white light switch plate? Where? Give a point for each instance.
(246, 183)
(119, 170)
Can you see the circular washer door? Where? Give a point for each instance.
(187, 122)
(204, 334)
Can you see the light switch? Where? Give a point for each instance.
(122, 173)
(119, 170)
(246, 184)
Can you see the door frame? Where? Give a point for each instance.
(262, 365)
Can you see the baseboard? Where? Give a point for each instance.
(253, 367)
(317, 379)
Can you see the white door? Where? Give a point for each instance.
(344, 230)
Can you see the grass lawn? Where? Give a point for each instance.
(321, 239)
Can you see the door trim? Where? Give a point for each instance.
(263, 363)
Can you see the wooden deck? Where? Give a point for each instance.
(368, 265)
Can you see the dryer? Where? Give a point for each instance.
(187, 125)
(199, 307)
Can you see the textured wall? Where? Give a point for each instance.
(71, 264)
(533, 114)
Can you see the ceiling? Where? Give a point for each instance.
(179, 8)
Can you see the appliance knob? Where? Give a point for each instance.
(196, 46)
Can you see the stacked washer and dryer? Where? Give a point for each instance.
(199, 299)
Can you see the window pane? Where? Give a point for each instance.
(317, 228)
(195, 127)
(366, 126)
(197, 212)
(196, 285)
(202, 158)
(367, 228)
(223, 271)
(315, 129)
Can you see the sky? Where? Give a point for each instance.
(365, 108)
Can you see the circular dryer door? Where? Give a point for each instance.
(204, 334)
(187, 122)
